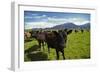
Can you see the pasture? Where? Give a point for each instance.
(77, 47)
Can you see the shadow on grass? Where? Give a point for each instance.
(27, 40)
(85, 57)
(38, 56)
(31, 49)
(34, 54)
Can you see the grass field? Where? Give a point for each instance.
(77, 47)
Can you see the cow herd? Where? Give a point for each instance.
(53, 39)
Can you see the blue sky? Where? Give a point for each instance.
(38, 19)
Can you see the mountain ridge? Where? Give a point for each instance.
(68, 26)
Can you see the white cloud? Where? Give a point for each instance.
(50, 22)
(43, 16)
(30, 25)
(34, 14)
(28, 17)
(57, 20)
(78, 21)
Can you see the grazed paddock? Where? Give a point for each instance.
(77, 47)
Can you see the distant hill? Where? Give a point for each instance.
(85, 26)
(67, 26)
(72, 26)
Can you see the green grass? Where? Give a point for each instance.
(77, 47)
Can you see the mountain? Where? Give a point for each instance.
(72, 26)
(67, 26)
(85, 26)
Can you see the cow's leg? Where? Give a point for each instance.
(48, 49)
(39, 44)
(57, 54)
(62, 51)
(43, 45)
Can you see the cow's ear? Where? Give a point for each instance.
(69, 32)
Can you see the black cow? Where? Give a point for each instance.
(57, 40)
(82, 30)
(40, 37)
(76, 31)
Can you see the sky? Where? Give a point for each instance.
(41, 19)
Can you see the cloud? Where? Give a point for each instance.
(35, 17)
(51, 21)
(30, 25)
(48, 22)
(34, 14)
(57, 19)
(78, 21)
(28, 17)
(38, 17)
